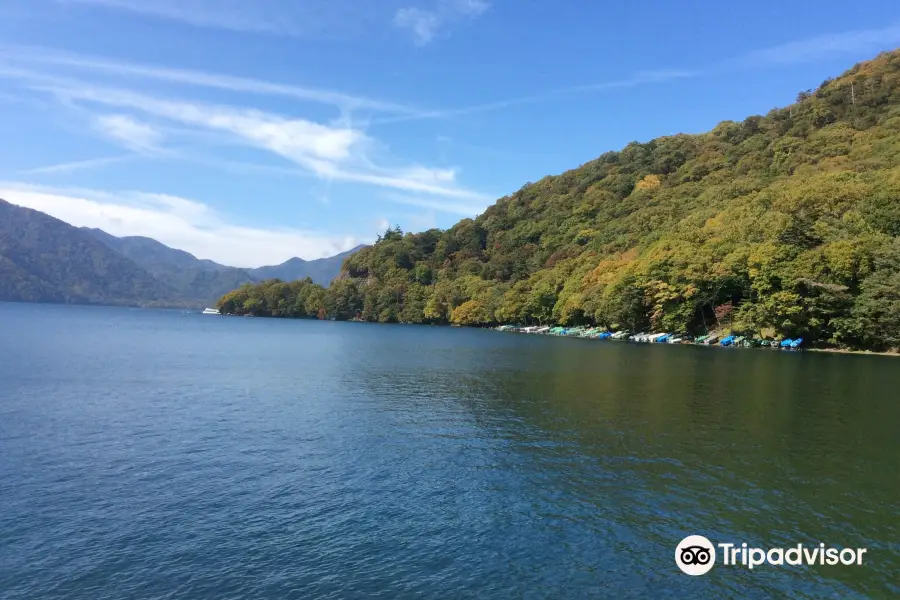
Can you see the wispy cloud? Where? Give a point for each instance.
(382, 225)
(856, 42)
(128, 131)
(823, 47)
(178, 222)
(342, 151)
(32, 56)
(346, 102)
(462, 209)
(426, 23)
(337, 152)
(78, 165)
(421, 222)
(422, 23)
(323, 19)
(267, 16)
(329, 152)
(9, 98)
(640, 78)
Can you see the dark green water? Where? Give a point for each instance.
(152, 454)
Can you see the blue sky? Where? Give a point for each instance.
(251, 132)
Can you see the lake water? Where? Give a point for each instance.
(153, 454)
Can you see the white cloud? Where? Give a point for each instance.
(422, 23)
(128, 131)
(335, 153)
(426, 23)
(409, 185)
(471, 8)
(382, 225)
(177, 222)
(307, 143)
(426, 175)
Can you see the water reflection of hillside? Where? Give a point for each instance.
(643, 441)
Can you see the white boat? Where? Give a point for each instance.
(211, 311)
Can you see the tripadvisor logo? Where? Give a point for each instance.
(696, 555)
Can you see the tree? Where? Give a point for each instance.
(470, 312)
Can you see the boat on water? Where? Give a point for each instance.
(600, 333)
(211, 311)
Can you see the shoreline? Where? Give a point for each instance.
(893, 353)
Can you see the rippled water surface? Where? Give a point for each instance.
(152, 454)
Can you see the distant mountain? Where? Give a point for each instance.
(43, 259)
(147, 251)
(321, 270)
(201, 278)
(190, 276)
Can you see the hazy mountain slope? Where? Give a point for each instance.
(193, 278)
(148, 252)
(208, 280)
(43, 259)
(321, 270)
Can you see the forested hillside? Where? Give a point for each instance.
(783, 224)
